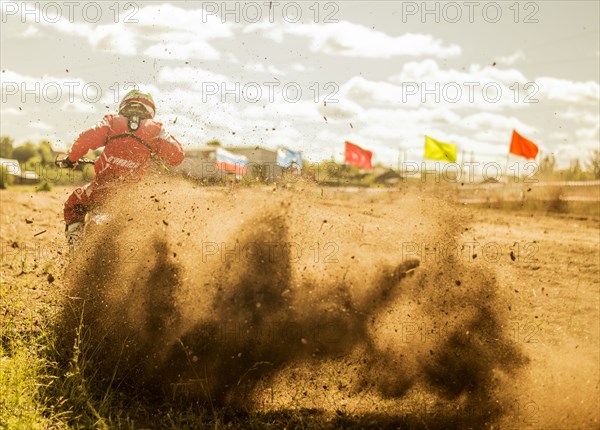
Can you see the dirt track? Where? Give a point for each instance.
(503, 309)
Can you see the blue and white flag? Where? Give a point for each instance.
(286, 157)
(230, 162)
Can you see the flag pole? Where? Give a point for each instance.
(507, 158)
(472, 161)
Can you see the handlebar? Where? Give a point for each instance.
(86, 161)
(60, 162)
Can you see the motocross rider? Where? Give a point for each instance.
(132, 141)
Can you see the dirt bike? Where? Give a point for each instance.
(91, 217)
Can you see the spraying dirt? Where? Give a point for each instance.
(223, 296)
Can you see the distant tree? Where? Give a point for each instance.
(575, 170)
(6, 147)
(24, 152)
(593, 163)
(547, 165)
(33, 163)
(5, 178)
(46, 152)
(213, 143)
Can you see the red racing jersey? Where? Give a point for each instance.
(127, 153)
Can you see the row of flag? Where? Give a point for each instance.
(238, 164)
(436, 150)
(361, 158)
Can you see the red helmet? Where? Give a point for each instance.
(137, 103)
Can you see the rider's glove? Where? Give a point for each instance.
(68, 163)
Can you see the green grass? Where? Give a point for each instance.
(23, 375)
(40, 388)
(45, 186)
(38, 392)
(44, 387)
(25, 371)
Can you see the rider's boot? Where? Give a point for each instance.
(74, 232)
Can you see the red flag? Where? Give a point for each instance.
(357, 156)
(523, 147)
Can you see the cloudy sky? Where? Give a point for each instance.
(310, 75)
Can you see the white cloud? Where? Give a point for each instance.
(232, 58)
(191, 76)
(478, 86)
(564, 153)
(343, 110)
(429, 71)
(590, 133)
(417, 94)
(380, 132)
(303, 110)
(35, 137)
(31, 31)
(580, 116)
(354, 40)
(365, 91)
(161, 31)
(410, 117)
(569, 91)
(261, 68)
(11, 111)
(559, 135)
(401, 126)
(494, 121)
(43, 90)
(78, 105)
(285, 134)
(299, 67)
(181, 51)
(511, 59)
(516, 89)
(39, 125)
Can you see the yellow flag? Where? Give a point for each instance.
(436, 150)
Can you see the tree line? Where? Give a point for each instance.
(38, 158)
(30, 155)
(28, 152)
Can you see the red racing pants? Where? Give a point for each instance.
(82, 200)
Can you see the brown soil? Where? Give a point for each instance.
(374, 304)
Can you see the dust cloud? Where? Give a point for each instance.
(212, 295)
